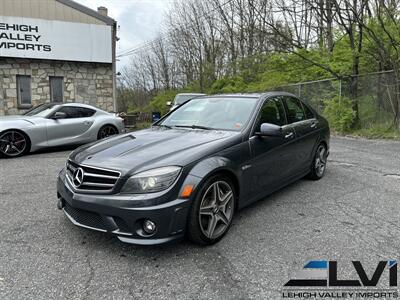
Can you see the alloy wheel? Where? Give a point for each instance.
(12, 143)
(216, 209)
(320, 161)
(107, 131)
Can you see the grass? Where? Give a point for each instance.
(374, 122)
(378, 132)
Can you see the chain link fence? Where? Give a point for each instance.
(375, 97)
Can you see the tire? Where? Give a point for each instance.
(215, 219)
(318, 166)
(106, 131)
(14, 143)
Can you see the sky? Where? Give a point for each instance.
(138, 20)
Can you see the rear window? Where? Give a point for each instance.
(308, 111)
(87, 112)
(295, 112)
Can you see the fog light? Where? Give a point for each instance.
(149, 227)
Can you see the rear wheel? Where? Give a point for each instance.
(13, 143)
(318, 166)
(212, 211)
(106, 131)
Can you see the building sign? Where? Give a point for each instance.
(46, 39)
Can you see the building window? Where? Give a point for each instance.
(56, 89)
(24, 91)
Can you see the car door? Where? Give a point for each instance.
(305, 124)
(72, 128)
(272, 157)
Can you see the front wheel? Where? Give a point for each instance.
(212, 211)
(13, 143)
(318, 166)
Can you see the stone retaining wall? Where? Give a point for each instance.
(90, 83)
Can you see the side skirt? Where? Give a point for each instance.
(274, 189)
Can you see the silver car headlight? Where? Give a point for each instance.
(151, 181)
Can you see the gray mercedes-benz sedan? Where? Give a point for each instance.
(190, 172)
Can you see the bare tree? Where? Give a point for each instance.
(205, 40)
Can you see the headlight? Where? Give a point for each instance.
(151, 181)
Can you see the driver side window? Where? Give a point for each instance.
(272, 112)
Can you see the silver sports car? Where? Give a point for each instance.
(52, 124)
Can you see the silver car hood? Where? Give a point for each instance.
(30, 119)
(19, 122)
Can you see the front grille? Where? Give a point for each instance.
(84, 217)
(93, 179)
(88, 219)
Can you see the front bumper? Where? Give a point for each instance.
(122, 217)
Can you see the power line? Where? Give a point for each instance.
(142, 47)
(146, 45)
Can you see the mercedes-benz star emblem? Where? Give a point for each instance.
(78, 177)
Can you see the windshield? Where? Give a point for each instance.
(180, 99)
(41, 110)
(212, 113)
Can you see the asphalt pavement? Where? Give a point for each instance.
(351, 214)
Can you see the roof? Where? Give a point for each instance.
(189, 94)
(88, 11)
(78, 104)
(254, 95)
(247, 95)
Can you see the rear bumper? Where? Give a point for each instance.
(120, 217)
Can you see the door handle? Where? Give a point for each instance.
(313, 125)
(289, 135)
(86, 123)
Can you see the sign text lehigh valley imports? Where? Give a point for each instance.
(21, 37)
(33, 38)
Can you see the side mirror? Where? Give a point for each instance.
(169, 103)
(59, 115)
(268, 129)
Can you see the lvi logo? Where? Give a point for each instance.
(327, 270)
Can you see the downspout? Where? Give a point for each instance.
(114, 65)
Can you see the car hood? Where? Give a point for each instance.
(18, 118)
(12, 121)
(151, 148)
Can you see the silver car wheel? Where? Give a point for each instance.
(216, 209)
(12, 143)
(320, 161)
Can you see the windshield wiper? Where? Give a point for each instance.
(162, 125)
(195, 127)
